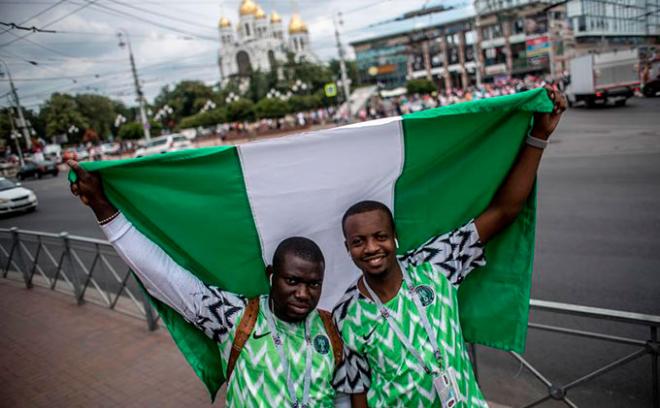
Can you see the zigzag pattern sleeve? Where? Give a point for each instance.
(353, 375)
(454, 254)
(208, 308)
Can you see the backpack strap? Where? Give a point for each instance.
(335, 338)
(243, 331)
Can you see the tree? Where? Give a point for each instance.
(351, 71)
(271, 108)
(60, 112)
(186, 98)
(260, 84)
(420, 86)
(240, 111)
(131, 131)
(99, 112)
(204, 119)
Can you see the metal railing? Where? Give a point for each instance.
(559, 392)
(87, 269)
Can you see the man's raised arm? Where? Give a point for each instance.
(163, 278)
(517, 186)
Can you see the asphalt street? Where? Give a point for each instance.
(597, 244)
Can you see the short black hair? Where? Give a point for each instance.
(366, 206)
(301, 247)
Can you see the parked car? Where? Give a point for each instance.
(652, 88)
(37, 169)
(15, 198)
(164, 144)
(53, 152)
(110, 148)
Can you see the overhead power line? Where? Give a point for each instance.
(91, 2)
(114, 11)
(19, 27)
(47, 9)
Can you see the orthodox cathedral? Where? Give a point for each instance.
(258, 41)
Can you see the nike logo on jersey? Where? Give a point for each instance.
(258, 336)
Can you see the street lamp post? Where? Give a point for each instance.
(138, 89)
(21, 118)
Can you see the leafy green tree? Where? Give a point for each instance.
(99, 112)
(420, 86)
(271, 108)
(60, 112)
(351, 71)
(186, 98)
(260, 84)
(240, 111)
(31, 116)
(204, 119)
(131, 131)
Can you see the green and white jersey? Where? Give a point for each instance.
(377, 361)
(259, 378)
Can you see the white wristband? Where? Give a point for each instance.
(536, 142)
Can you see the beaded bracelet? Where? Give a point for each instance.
(107, 220)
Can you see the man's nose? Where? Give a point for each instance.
(302, 292)
(371, 246)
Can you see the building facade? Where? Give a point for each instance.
(491, 40)
(606, 25)
(258, 41)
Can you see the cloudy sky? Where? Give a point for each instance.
(172, 40)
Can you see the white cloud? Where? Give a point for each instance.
(99, 54)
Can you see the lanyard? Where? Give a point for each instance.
(277, 339)
(422, 314)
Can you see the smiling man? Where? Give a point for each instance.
(400, 320)
(277, 349)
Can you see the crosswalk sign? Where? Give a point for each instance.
(330, 89)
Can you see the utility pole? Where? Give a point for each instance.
(136, 80)
(14, 133)
(22, 123)
(342, 65)
(476, 46)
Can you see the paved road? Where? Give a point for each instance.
(597, 245)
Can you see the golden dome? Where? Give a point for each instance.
(224, 22)
(275, 18)
(260, 13)
(247, 7)
(296, 25)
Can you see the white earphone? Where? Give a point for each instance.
(270, 279)
(396, 242)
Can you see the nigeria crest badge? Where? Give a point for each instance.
(426, 294)
(321, 344)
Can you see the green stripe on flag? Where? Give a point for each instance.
(455, 159)
(193, 204)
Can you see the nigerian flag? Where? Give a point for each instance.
(221, 211)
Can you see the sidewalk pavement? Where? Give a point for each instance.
(55, 353)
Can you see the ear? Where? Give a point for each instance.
(269, 272)
(346, 246)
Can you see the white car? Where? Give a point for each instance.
(14, 198)
(164, 144)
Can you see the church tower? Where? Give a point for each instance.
(276, 29)
(246, 20)
(260, 23)
(298, 35)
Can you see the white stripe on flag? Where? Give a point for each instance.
(302, 185)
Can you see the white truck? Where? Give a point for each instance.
(599, 79)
